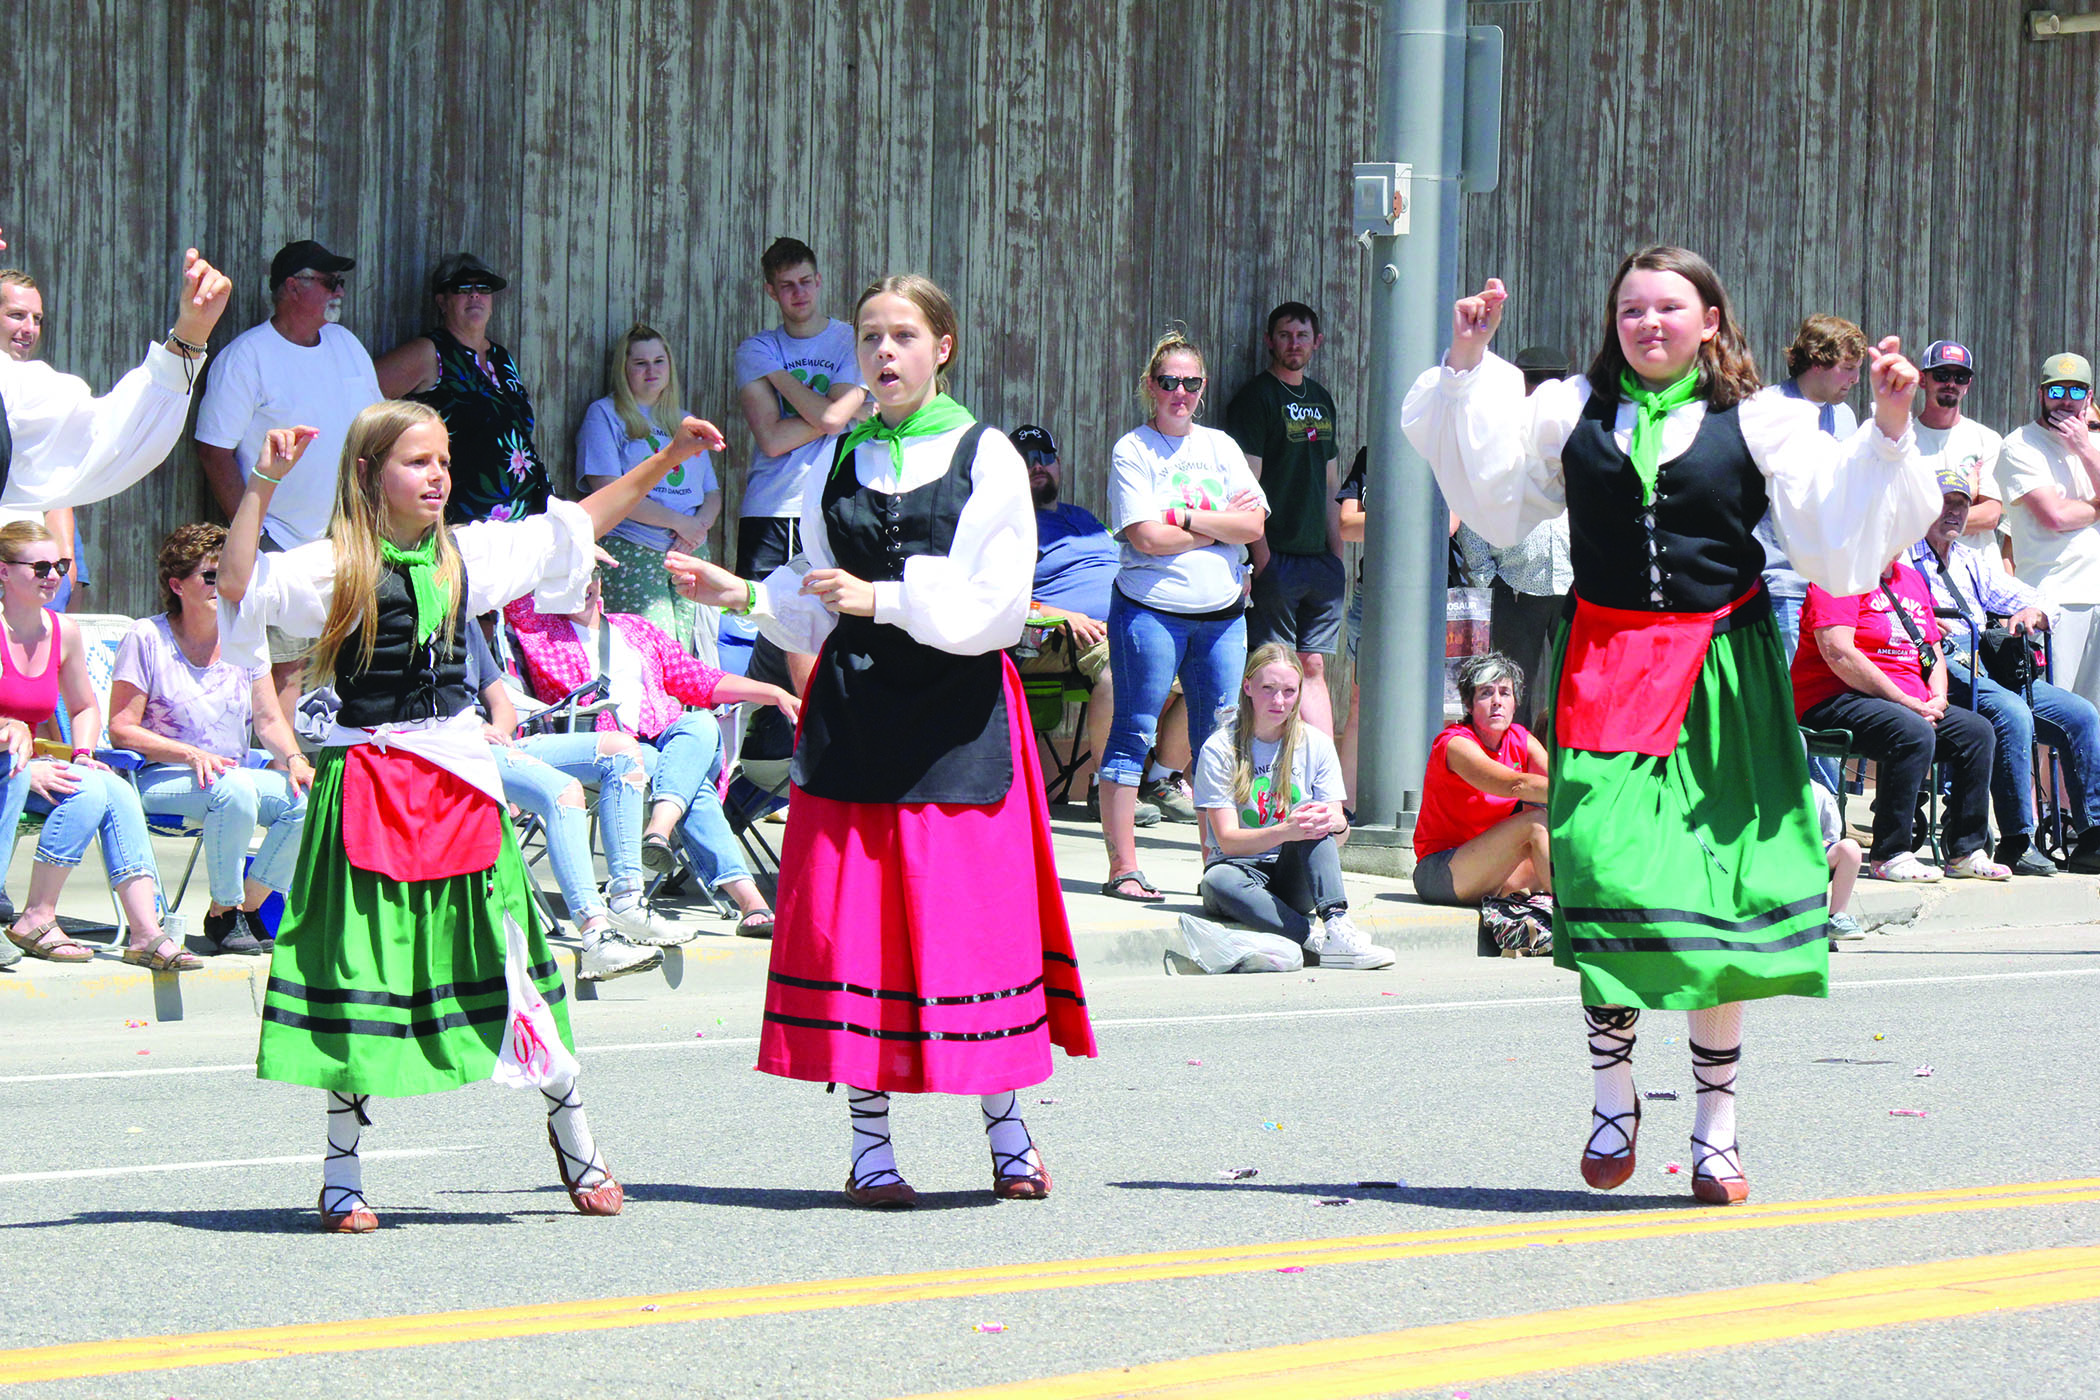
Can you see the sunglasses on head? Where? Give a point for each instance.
(1950, 376)
(43, 568)
(1168, 383)
(2056, 393)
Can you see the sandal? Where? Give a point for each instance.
(756, 924)
(657, 856)
(49, 942)
(1133, 886)
(176, 959)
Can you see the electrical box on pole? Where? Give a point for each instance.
(1382, 198)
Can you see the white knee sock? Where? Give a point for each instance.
(874, 1161)
(342, 1170)
(580, 1163)
(1716, 1036)
(1007, 1134)
(1611, 1036)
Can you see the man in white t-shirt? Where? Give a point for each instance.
(2050, 468)
(799, 386)
(1951, 443)
(299, 368)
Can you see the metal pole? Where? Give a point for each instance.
(1414, 279)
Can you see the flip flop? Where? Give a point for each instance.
(756, 924)
(177, 959)
(1121, 888)
(49, 942)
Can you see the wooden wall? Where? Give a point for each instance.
(1075, 172)
(1921, 168)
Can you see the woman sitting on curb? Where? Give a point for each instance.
(1269, 790)
(187, 712)
(1481, 836)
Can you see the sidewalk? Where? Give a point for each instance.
(1113, 937)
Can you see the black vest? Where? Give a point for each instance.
(888, 718)
(1693, 550)
(407, 681)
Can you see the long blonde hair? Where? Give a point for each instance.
(632, 415)
(357, 530)
(1267, 654)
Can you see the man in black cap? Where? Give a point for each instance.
(299, 368)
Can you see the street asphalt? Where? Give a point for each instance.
(143, 1193)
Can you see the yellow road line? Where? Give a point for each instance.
(153, 1353)
(1498, 1348)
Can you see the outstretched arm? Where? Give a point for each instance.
(610, 504)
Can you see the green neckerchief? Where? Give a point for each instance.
(433, 602)
(1650, 408)
(939, 414)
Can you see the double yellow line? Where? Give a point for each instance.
(122, 1355)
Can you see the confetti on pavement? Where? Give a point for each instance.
(1672, 1168)
(1292, 1269)
(1333, 1201)
(1906, 1113)
(1239, 1173)
(989, 1327)
(1922, 1072)
(1669, 1094)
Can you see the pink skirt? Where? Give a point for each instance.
(923, 947)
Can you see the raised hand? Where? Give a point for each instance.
(697, 435)
(1895, 382)
(1473, 324)
(282, 448)
(205, 292)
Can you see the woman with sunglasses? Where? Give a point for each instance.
(41, 663)
(2049, 470)
(178, 704)
(1185, 507)
(474, 385)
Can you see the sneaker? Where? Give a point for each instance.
(1147, 814)
(612, 956)
(9, 953)
(2018, 851)
(1976, 866)
(2084, 857)
(1345, 946)
(637, 924)
(1905, 868)
(258, 929)
(227, 932)
(1845, 929)
(1173, 803)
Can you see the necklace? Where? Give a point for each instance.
(1296, 391)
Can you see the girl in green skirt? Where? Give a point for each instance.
(409, 959)
(1686, 859)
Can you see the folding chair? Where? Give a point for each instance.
(1049, 696)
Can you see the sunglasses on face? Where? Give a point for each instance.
(2057, 393)
(1036, 457)
(43, 568)
(1168, 383)
(1951, 376)
(210, 576)
(329, 281)
(474, 289)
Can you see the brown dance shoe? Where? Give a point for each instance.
(1031, 1182)
(1603, 1171)
(605, 1198)
(891, 1195)
(358, 1220)
(1708, 1189)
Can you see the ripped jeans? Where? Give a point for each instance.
(538, 770)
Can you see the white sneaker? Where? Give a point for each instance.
(611, 957)
(1347, 947)
(637, 924)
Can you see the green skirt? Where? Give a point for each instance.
(1697, 879)
(380, 986)
(642, 586)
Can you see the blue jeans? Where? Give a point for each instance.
(104, 805)
(1786, 616)
(689, 759)
(238, 801)
(538, 770)
(2067, 723)
(1147, 649)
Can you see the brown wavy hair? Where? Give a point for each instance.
(180, 554)
(1824, 339)
(1727, 370)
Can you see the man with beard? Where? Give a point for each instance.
(1951, 443)
(1076, 560)
(299, 368)
(2050, 468)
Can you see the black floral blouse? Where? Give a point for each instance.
(497, 473)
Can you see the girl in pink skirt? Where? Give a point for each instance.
(921, 943)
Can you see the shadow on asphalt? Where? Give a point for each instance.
(1507, 1201)
(277, 1220)
(789, 1199)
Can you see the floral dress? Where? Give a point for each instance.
(497, 473)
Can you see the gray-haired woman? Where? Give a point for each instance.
(1482, 829)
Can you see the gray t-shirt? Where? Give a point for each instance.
(1316, 776)
(1151, 472)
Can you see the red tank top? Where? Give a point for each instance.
(1453, 810)
(31, 699)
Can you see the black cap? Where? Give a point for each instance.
(464, 270)
(1542, 359)
(298, 257)
(1029, 438)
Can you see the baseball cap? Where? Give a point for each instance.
(1948, 352)
(1542, 359)
(464, 270)
(297, 257)
(2067, 368)
(1954, 481)
(1029, 438)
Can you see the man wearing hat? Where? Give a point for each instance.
(1967, 587)
(1947, 440)
(2050, 470)
(299, 368)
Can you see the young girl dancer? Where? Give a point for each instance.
(409, 902)
(1685, 852)
(921, 943)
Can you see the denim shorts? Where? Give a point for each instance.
(1433, 878)
(1298, 601)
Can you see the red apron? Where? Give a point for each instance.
(408, 819)
(1627, 678)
